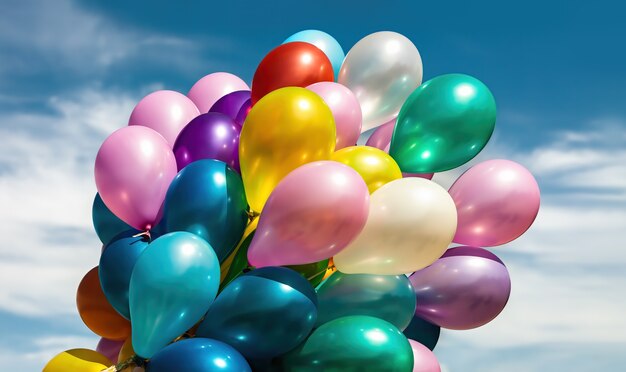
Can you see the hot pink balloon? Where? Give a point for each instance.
(206, 91)
(165, 111)
(313, 213)
(134, 167)
(109, 348)
(496, 201)
(423, 359)
(346, 111)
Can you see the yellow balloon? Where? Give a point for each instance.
(375, 166)
(83, 360)
(287, 128)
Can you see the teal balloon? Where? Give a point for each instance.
(262, 317)
(198, 355)
(423, 332)
(106, 224)
(388, 297)
(444, 123)
(172, 286)
(326, 43)
(116, 267)
(207, 198)
(352, 343)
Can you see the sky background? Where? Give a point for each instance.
(71, 72)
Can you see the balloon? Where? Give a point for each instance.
(326, 43)
(209, 136)
(352, 343)
(374, 165)
(198, 354)
(443, 124)
(388, 297)
(423, 359)
(208, 90)
(411, 222)
(382, 69)
(466, 288)
(312, 214)
(497, 201)
(134, 167)
(96, 312)
(109, 348)
(287, 128)
(260, 316)
(106, 224)
(235, 105)
(165, 111)
(126, 352)
(313, 272)
(173, 284)
(346, 111)
(423, 332)
(116, 266)
(207, 198)
(237, 262)
(295, 64)
(83, 360)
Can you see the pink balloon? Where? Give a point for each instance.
(496, 201)
(206, 91)
(165, 111)
(346, 111)
(423, 359)
(134, 167)
(109, 348)
(313, 213)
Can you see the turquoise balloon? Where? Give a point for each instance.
(106, 224)
(173, 284)
(325, 43)
(388, 297)
(207, 198)
(352, 343)
(444, 123)
(198, 355)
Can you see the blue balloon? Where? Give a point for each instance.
(106, 224)
(260, 317)
(285, 276)
(116, 266)
(172, 285)
(423, 332)
(207, 198)
(323, 41)
(198, 354)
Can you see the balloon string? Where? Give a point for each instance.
(143, 233)
(321, 272)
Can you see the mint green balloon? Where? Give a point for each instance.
(352, 343)
(444, 123)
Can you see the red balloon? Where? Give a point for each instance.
(294, 64)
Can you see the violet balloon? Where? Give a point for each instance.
(313, 213)
(423, 359)
(109, 348)
(134, 167)
(209, 136)
(497, 201)
(464, 289)
(165, 111)
(206, 91)
(235, 105)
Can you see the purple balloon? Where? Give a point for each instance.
(235, 105)
(464, 289)
(209, 136)
(109, 348)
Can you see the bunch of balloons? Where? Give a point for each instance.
(244, 229)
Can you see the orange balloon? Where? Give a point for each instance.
(295, 64)
(96, 312)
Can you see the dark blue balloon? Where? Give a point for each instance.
(285, 276)
(207, 198)
(198, 355)
(116, 266)
(106, 224)
(423, 332)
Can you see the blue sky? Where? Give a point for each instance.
(70, 73)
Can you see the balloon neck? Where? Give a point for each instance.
(252, 215)
(133, 361)
(144, 234)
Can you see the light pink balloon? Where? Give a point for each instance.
(109, 348)
(346, 111)
(313, 213)
(134, 167)
(423, 359)
(165, 111)
(496, 201)
(206, 91)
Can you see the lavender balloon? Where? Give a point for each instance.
(209, 136)
(464, 289)
(109, 348)
(235, 105)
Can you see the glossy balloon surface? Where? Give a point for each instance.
(375, 166)
(208, 90)
(324, 42)
(83, 360)
(198, 355)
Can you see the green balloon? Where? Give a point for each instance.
(444, 123)
(313, 272)
(388, 297)
(352, 343)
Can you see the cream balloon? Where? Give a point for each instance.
(410, 224)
